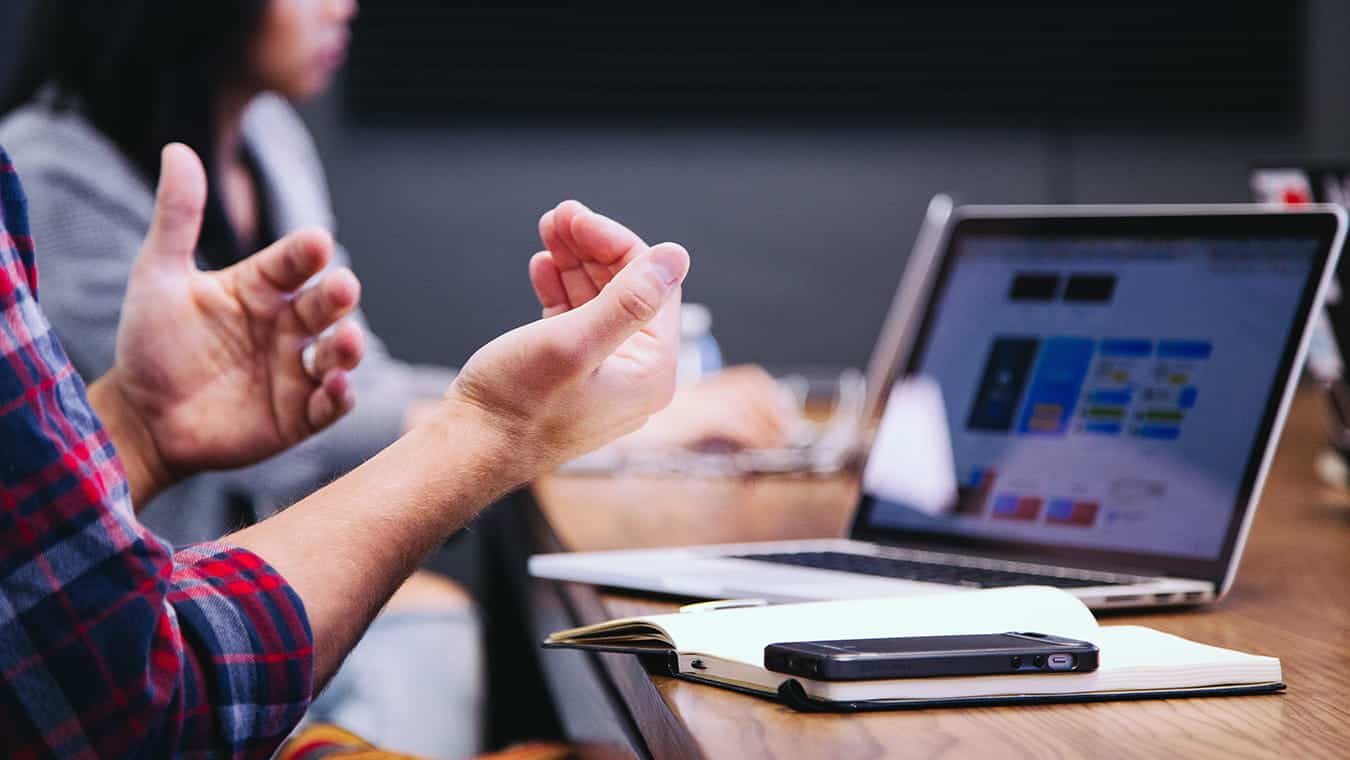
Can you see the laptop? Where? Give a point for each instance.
(1087, 398)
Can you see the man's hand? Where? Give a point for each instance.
(741, 407)
(738, 408)
(209, 370)
(602, 359)
(594, 368)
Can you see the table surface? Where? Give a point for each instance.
(1291, 600)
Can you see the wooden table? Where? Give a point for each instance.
(1292, 600)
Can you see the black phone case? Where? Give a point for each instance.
(1026, 658)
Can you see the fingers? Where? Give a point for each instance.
(269, 276)
(587, 248)
(742, 406)
(555, 229)
(341, 349)
(609, 243)
(766, 423)
(634, 298)
(332, 399)
(548, 286)
(330, 360)
(741, 433)
(763, 400)
(596, 236)
(333, 297)
(749, 427)
(180, 202)
(579, 285)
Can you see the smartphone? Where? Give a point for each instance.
(930, 656)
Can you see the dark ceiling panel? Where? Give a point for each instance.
(1151, 62)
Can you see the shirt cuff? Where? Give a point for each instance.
(252, 645)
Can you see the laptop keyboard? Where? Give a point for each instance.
(930, 572)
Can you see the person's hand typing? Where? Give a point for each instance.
(602, 359)
(740, 407)
(209, 370)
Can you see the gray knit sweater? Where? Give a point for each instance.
(90, 210)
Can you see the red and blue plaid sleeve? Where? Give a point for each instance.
(111, 645)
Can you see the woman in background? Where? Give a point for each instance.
(102, 89)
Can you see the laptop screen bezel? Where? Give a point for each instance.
(1321, 225)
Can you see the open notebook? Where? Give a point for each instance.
(726, 648)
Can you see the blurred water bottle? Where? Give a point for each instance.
(1325, 363)
(699, 353)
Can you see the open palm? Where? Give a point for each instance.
(212, 361)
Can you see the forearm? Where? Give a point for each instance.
(348, 547)
(147, 474)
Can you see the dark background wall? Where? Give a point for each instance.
(799, 231)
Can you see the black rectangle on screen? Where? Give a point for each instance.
(1090, 288)
(1034, 286)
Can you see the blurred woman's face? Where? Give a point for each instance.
(301, 44)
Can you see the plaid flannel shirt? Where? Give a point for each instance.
(112, 644)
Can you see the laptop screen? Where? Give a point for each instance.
(1104, 392)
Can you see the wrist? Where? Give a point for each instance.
(487, 446)
(146, 470)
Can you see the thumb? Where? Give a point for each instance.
(179, 205)
(630, 301)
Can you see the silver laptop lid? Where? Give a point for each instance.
(900, 328)
(1099, 386)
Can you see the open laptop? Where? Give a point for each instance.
(1089, 398)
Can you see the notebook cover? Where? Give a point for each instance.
(791, 693)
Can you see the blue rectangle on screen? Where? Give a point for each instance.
(1002, 383)
(1005, 504)
(1185, 349)
(1158, 432)
(1055, 385)
(1102, 428)
(1129, 347)
(1109, 398)
(1059, 509)
(1186, 399)
(976, 475)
